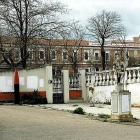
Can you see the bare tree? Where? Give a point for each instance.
(73, 42)
(24, 20)
(104, 26)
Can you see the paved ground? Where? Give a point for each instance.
(34, 123)
(99, 108)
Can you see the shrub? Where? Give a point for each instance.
(103, 116)
(107, 102)
(79, 110)
(33, 98)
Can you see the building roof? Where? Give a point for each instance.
(40, 41)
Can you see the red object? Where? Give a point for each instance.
(75, 94)
(10, 95)
(16, 78)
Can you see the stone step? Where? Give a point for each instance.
(76, 100)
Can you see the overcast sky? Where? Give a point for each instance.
(129, 10)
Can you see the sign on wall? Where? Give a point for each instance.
(32, 82)
(6, 84)
(125, 103)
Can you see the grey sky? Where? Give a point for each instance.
(129, 10)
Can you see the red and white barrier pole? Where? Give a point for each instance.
(16, 88)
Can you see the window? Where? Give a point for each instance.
(126, 54)
(41, 54)
(30, 51)
(64, 55)
(96, 55)
(115, 54)
(135, 54)
(97, 68)
(87, 69)
(53, 54)
(17, 53)
(86, 55)
(107, 56)
(75, 55)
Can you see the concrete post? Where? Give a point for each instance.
(65, 72)
(49, 84)
(83, 83)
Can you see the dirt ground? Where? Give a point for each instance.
(32, 123)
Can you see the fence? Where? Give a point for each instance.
(104, 84)
(94, 86)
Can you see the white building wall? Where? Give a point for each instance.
(102, 93)
(135, 93)
(29, 80)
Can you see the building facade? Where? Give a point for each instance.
(72, 54)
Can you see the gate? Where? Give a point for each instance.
(58, 96)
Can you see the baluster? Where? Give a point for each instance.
(55, 86)
(129, 76)
(59, 85)
(111, 78)
(100, 78)
(136, 72)
(95, 79)
(103, 78)
(78, 81)
(134, 76)
(114, 77)
(74, 81)
(138, 75)
(69, 82)
(107, 78)
(88, 80)
(126, 72)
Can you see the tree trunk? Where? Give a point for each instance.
(103, 53)
(103, 59)
(24, 59)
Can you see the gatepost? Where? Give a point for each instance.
(65, 72)
(83, 83)
(49, 84)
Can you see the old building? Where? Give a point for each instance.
(73, 54)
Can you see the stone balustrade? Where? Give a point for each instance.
(133, 75)
(74, 81)
(102, 78)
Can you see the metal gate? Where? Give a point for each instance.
(58, 89)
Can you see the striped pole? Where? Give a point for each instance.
(16, 88)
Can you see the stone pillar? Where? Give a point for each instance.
(121, 105)
(83, 83)
(65, 72)
(49, 84)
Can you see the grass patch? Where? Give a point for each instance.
(106, 116)
(100, 106)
